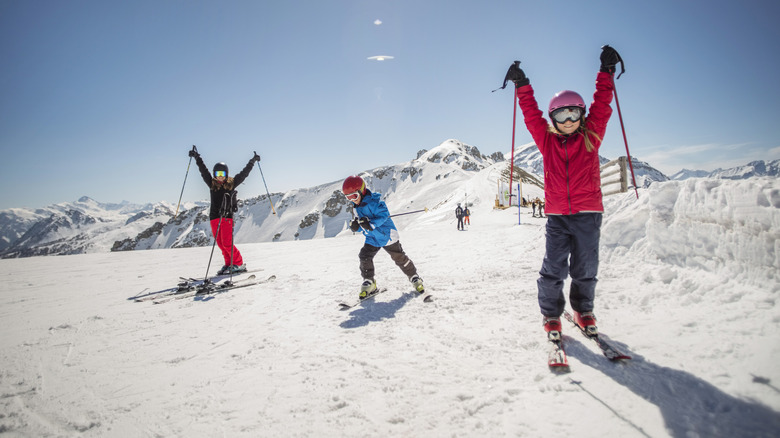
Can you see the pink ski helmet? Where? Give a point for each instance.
(566, 98)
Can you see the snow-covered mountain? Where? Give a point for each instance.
(688, 173)
(460, 154)
(433, 180)
(754, 168)
(77, 227)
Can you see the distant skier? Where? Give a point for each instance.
(373, 217)
(223, 204)
(572, 187)
(459, 215)
(466, 214)
(537, 205)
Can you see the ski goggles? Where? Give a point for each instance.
(219, 173)
(561, 115)
(353, 196)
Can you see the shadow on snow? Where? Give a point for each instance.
(374, 311)
(690, 406)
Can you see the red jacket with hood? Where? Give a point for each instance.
(572, 179)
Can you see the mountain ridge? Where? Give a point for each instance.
(432, 180)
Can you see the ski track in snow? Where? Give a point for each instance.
(80, 358)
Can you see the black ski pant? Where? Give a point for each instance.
(572, 248)
(460, 222)
(397, 253)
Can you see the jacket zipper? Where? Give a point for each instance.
(565, 145)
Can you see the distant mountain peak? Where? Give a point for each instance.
(751, 169)
(460, 154)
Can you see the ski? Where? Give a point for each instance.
(182, 287)
(607, 349)
(426, 296)
(556, 357)
(219, 277)
(348, 305)
(214, 288)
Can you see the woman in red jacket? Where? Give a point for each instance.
(572, 190)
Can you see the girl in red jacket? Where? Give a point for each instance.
(572, 190)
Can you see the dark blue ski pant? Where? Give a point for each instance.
(572, 248)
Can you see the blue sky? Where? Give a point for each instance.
(105, 98)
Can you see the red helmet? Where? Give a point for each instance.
(353, 184)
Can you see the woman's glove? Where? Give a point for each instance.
(609, 59)
(516, 75)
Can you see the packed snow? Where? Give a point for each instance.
(688, 287)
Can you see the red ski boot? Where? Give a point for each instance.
(586, 321)
(552, 325)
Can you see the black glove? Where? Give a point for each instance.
(365, 223)
(516, 75)
(256, 158)
(193, 153)
(609, 59)
(354, 225)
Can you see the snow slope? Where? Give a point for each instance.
(688, 286)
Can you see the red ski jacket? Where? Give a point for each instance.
(572, 180)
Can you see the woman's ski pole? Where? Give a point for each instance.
(625, 139)
(266, 186)
(185, 182)
(622, 126)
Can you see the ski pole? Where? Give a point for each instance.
(222, 211)
(225, 206)
(409, 212)
(216, 236)
(266, 185)
(625, 139)
(185, 182)
(514, 123)
(620, 116)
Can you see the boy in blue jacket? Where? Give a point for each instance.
(373, 217)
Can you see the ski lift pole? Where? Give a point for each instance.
(266, 186)
(519, 219)
(514, 124)
(185, 183)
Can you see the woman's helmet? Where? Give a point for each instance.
(354, 184)
(220, 167)
(566, 105)
(566, 98)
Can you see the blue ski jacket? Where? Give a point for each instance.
(374, 208)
